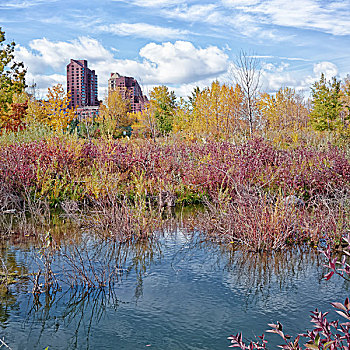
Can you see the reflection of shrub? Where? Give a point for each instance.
(259, 221)
(326, 334)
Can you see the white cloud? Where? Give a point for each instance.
(181, 62)
(282, 58)
(21, 4)
(279, 76)
(237, 3)
(42, 82)
(167, 63)
(143, 30)
(260, 18)
(268, 66)
(45, 54)
(241, 23)
(272, 81)
(273, 77)
(326, 16)
(206, 13)
(153, 3)
(329, 69)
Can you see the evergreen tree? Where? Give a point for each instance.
(326, 103)
(163, 104)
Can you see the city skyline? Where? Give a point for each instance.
(182, 43)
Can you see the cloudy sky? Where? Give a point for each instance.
(180, 43)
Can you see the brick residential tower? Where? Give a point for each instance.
(82, 83)
(130, 89)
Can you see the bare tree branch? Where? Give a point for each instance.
(247, 72)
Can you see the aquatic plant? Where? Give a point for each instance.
(326, 334)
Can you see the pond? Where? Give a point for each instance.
(172, 292)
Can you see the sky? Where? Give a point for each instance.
(180, 43)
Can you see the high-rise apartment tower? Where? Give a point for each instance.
(130, 89)
(82, 83)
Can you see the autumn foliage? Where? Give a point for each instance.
(56, 111)
(14, 118)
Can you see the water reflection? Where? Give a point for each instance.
(174, 290)
(14, 280)
(76, 309)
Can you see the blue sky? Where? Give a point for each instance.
(181, 43)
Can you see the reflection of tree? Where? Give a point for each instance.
(141, 256)
(8, 302)
(11, 264)
(22, 229)
(258, 273)
(98, 263)
(78, 307)
(11, 270)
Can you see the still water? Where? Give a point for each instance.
(173, 292)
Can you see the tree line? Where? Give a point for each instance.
(218, 111)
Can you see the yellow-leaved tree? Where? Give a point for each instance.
(286, 110)
(145, 122)
(183, 117)
(56, 112)
(216, 112)
(114, 114)
(14, 118)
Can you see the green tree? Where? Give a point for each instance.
(345, 100)
(163, 105)
(193, 97)
(12, 74)
(326, 104)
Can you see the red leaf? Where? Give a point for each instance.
(341, 313)
(329, 275)
(339, 306)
